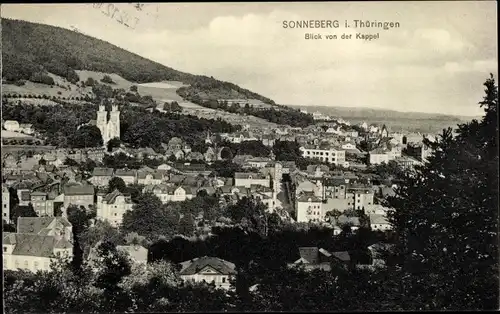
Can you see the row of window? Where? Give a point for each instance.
(25, 264)
(320, 153)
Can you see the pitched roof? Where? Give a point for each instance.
(79, 189)
(111, 197)
(247, 175)
(125, 173)
(309, 254)
(102, 172)
(36, 225)
(378, 219)
(352, 220)
(194, 266)
(305, 196)
(37, 245)
(158, 175)
(343, 256)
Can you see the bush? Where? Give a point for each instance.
(107, 79)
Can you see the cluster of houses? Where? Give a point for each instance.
(334, 194)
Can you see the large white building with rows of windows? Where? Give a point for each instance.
(325, 153)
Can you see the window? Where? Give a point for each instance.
(5, 249)
(223, 279)
(26, 264)
(36, 265)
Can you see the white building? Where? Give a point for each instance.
(112, 207)
(168, 193)
(326, 153)
(38, 241)
(247, 179)
(208, 269)
(349, 145)
(12, 125)
(5, 204)
(379, 156)
(362, 197)
(379, 222)
(309, 208)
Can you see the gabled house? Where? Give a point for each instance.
(148, 178)
(128, 176)
(33, 252)
(169, 193)
(317, 258)
(101, 176)
(113, 206)
(79, 195)
(309, 207)
(208, 269)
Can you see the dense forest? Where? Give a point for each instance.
(139, 127)
(30, 50)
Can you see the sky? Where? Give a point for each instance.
(435, 62)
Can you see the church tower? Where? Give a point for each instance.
(102, 122)
(114, 122)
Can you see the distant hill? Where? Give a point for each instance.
(394, 120)
(30, 50)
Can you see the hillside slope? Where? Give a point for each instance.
(31, 48)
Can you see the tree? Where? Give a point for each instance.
(87, 136)
(100, 231)
(22, 211)
(148, 218)
(107, 79)
(79, 217)
(113, 268)
(186, 225)
(446, 217)
(117, 183)
(113, 143)
(133, 88)
(70, 162)
(134, 239)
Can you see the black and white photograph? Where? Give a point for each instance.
(250, 156)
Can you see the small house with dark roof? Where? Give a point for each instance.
(208, 269)
(317, 258)
(113, 206)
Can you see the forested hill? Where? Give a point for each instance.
(31, 48)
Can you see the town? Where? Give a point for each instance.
(129, 186)
(344, 172)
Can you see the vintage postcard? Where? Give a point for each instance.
(267, 156)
